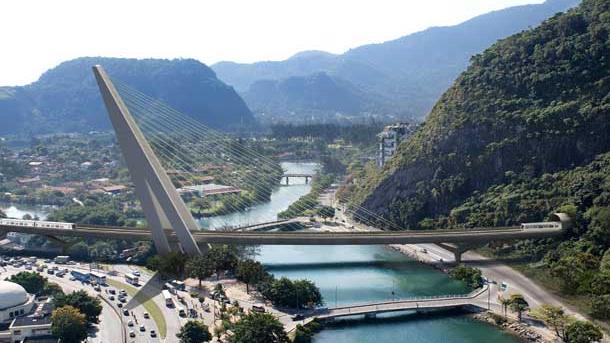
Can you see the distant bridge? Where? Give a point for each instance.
(307, 176)
(476, 298)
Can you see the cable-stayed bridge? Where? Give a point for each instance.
(155, 137)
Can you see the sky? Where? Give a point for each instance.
(39, 34)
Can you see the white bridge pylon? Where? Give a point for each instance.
(162, 205)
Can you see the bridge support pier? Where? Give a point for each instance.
(458, 249)
(370, 315)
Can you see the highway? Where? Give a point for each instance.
(113, 325)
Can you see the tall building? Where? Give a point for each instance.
(390, 138)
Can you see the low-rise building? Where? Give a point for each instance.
(22, 319)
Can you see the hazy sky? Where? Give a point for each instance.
(39, 34)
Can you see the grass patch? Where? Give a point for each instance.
(149, 304)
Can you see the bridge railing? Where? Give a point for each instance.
(477, 292)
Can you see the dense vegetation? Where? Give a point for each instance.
(68, 94)
(534, 103)
(222, 259)
(580, 263)
(328, 133)
(523, 133)
(401, 77)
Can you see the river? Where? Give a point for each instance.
(356, 274)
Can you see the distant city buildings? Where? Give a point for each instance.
(390, 138)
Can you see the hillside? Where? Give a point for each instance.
(534, 103)
(299, 98)
(408, 74)
(68, 94)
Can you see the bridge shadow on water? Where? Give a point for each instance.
(399, 317)
(341, 265)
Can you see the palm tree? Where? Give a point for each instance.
(505, 303)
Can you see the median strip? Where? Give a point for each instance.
(149, 304)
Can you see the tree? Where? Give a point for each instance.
(251, 272)
(52, 289)
(222, 257)
(259, 328)
(199, 267)
(582, 332)
(518, 304)
(170, 265)
(600, 306)
(32, 282)
(79, 251)
(326, 212)
(605, 263)
(194, 331)
(307, 294)
(505, 302)
(471, 276)
(296, 294)
(554, 317)
(574, 270)
(68, 324)
(89, 306)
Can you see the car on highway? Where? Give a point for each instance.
(258, 308)
(119, 305)
(111, 291)
(153, 333)
(111, 298)
(298, 316)
(125, 312)
(146, 315)
(130, 323)
(132, 333)
(142, 328)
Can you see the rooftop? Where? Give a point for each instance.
(30, 321)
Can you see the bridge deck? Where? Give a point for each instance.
(302, 238)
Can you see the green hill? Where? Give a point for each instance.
(66, 98)
(534, 103)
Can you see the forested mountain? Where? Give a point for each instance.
(406, 76)
(534, 103)
(66, 98)
(303, 97)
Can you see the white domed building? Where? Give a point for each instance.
(14, 301)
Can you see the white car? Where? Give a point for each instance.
(132, 333)
(130, 323)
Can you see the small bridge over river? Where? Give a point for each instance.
(478, 298)
(306, 176)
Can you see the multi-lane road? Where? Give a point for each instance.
(113, 326)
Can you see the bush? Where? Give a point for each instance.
(471, 276)
(600, 307)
